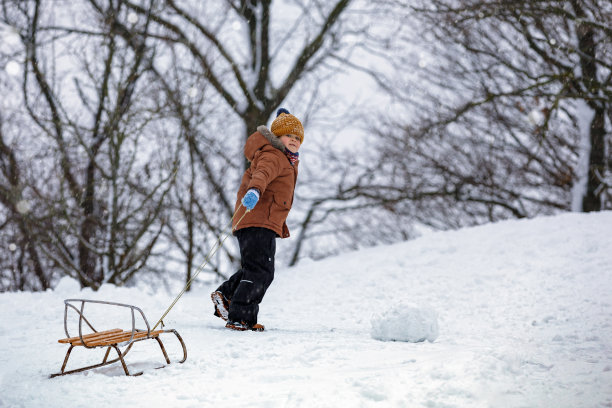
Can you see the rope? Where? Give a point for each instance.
(212, 252)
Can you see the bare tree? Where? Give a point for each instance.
(501, 98)
(194, 79)
(254, 55)
(251, 71)
(101, 201)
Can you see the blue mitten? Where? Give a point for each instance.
(250, 199)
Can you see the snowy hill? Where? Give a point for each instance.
(524, 320)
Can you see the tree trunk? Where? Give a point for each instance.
(87, 262)
(597, 163)
(586, 45)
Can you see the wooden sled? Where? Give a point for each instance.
(110, 339)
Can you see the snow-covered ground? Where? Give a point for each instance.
(524, 316)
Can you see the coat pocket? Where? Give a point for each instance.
(280, 208)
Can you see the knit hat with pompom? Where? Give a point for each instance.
(287, 124)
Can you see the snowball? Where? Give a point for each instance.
(406, 322)
(12, 38)
(23, 206)
(536, 117)
(132, 18)
(192, 92)
(12, 68)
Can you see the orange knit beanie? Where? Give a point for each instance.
(287, 124)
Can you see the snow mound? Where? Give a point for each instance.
(406, 322)
(67, 287)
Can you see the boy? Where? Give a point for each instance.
(266, 193)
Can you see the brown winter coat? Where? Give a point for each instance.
(273, 175)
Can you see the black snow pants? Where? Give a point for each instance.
(246, 288)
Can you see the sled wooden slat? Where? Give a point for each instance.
(125, 336)
(90, 336)
(110, 339)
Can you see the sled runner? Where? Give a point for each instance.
(109, 339)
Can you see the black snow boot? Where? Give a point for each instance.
(221, 305)
(242, 326)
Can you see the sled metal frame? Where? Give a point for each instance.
(110, 339)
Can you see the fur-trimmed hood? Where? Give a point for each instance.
(271, 137)
(259, 140)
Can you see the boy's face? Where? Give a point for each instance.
(291, 142)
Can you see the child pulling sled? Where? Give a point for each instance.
(266, 194)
